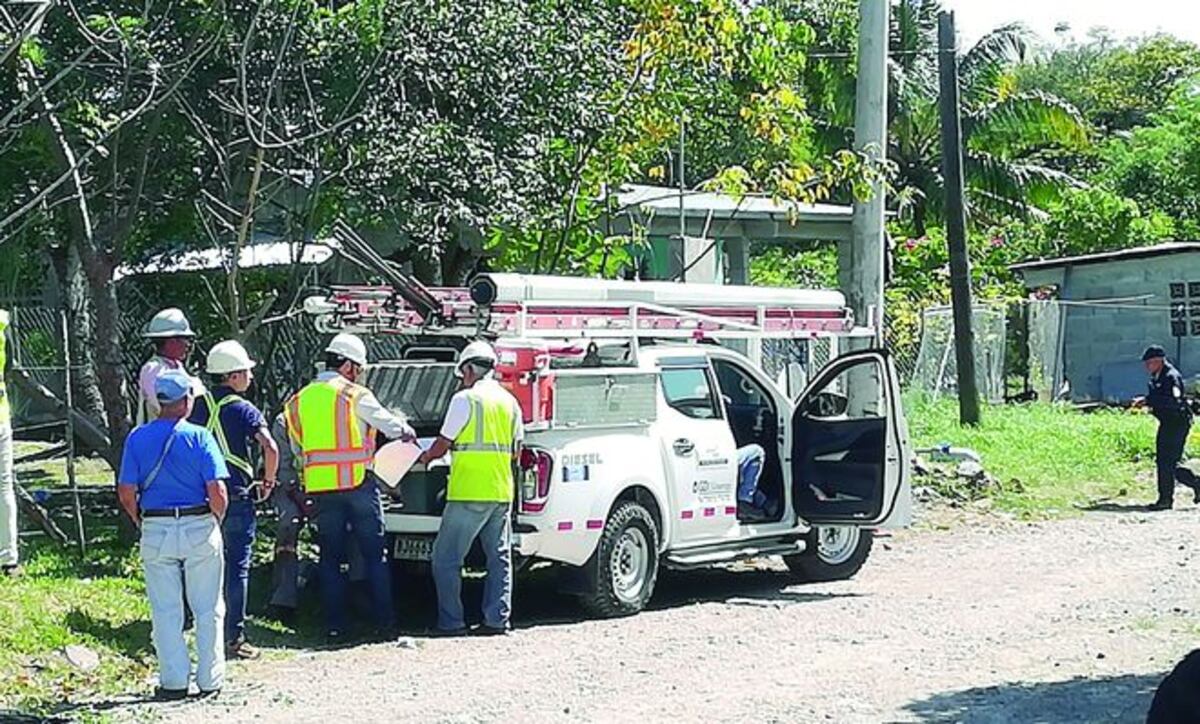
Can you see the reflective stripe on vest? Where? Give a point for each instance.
(5, 410)
(481, 465)
(320, 420)
(218, 430)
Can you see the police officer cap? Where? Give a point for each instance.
(172, 386)
(1153, 352)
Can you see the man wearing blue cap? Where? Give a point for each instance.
(171, 485)
(1167, 400)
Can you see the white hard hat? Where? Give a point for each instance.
(228, 356)
(168, 323)
(477, 352)
(350, 347)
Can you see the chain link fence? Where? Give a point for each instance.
(936, 370)
(288, 351)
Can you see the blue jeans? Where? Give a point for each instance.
(750, 465)
(238, 529)
(362, 510)
(461, 524)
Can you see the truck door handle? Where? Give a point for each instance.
(683, 447)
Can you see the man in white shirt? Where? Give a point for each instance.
(484, 427)
(173, 337)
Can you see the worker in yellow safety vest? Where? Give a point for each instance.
(235, 422)
(483, 429)
(331, 425)
(8, 496)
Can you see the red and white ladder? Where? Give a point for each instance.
(513, 305)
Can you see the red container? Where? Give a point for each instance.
(524, 369)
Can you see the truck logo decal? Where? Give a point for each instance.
(713, 462)
(710, 491)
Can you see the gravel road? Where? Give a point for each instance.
(972, 620)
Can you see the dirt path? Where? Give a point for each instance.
(1068, 621)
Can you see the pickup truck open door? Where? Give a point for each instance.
(850, 445)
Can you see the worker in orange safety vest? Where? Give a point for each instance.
(331, 426)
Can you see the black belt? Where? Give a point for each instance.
(177, 512)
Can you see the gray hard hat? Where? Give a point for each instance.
(169, 322)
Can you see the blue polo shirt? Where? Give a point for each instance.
(241, 421)
(193, 460)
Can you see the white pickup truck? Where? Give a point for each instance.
(635, 465)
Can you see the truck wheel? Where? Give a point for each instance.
(622, 571)
(834, 553)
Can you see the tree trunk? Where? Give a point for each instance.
(72, 282)
(110, 360)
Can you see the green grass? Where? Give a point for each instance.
(97, 601)
(89, 471)
(1050, 460)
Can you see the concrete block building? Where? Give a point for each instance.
(1114, 304)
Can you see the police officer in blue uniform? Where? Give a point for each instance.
(1167, 401)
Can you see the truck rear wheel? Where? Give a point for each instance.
(834, 553)
(622, 571)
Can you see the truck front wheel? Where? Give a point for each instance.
(833, 553)
(622, 571)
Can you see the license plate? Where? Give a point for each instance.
(413, 548)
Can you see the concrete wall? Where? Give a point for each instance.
(1102, 344)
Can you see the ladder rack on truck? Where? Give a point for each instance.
(544, 307)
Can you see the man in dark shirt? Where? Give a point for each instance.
(235, 424)
(1167, 401)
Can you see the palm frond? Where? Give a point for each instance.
(914, 29)
(984, 68)
(1022, 186)
(1024, 123)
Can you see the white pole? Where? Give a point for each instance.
(862, 268)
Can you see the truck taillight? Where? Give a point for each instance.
(535, 466)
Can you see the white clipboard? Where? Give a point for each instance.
(394, 460)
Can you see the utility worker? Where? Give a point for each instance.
(170, 484)
(235, 422)
(331, 425)
(9, 564)
(1167, 400)
(172, 335)
(483, 427)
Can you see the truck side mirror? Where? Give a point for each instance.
(826, 404)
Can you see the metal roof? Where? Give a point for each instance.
(754, 217)
(262, 254)
(665, 200)
(1141, 252)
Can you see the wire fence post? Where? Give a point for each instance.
(69, 399)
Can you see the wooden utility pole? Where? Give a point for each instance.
(956, 222)
(860, 261)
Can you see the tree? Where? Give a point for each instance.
(1117, 86)
(100, 135)
(1007, 134)
(1158, 165)
(1010, 135)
